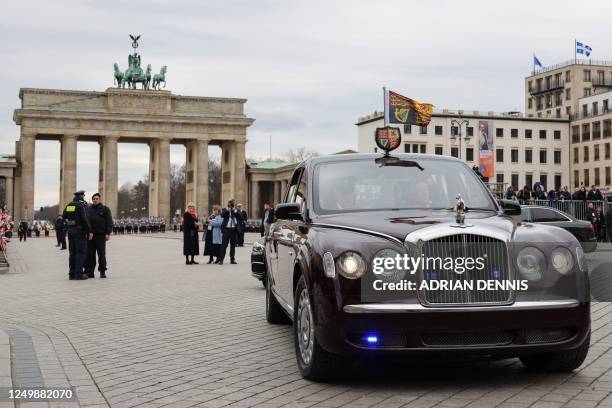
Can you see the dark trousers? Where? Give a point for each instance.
(61, 238)
(77, 245)
(96, 245)
(240, 235)
(23, 236)
(610, 234)
(229, 237)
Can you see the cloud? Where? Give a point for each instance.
(308, 69)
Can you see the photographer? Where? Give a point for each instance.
(231, 217)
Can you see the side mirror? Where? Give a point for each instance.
(288, 211)
(510, 207)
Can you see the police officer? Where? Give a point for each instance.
(101, 221)
(79, 231)
(60, 231)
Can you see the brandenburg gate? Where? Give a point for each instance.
(119, 115)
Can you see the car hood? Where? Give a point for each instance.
(399, 223)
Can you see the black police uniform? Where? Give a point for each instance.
(101, 221)
(78, 227)
(60, 232)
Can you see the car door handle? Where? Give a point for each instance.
(290, 253)
(277, 234)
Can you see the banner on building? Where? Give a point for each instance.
(485, 142)
(400, 109)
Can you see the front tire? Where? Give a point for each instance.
(558, 361)
(274, 312)
(314, 363)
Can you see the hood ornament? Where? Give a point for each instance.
(460, 213)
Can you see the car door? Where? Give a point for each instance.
(281, 245)
(296, 232)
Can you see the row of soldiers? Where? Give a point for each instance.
(139, 225)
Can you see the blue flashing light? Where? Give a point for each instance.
(496, 275)
(371, 339)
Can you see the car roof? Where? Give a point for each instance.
(363, 156)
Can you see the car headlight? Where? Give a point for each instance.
(531, 263)
(381, 271)
(562, 260)
(351, 265)
(581, 259)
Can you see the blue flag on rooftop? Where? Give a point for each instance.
(536, 62)
(584, 49)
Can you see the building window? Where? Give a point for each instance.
(423, 148)
(454, 130)
(596, 153)
(514, 156)
(607, 151)
(608, 176)
(576, 178)
(470, 131)
(596, 130)
(529, 180)
(585, 154)
(557, 182)
(543, 156)
(557, 135)
(500, 178)
(407, 129)
(439, 150)
(576, 154)
(586, 75)
(544, 180)
(469, 154)
(415, 148)
(438, 130)
(568, 110)
(514, 133)
(586, 92)
(423, 130)
(455, 151)
(530, 103)
(528, 156)
(499, 155)
(595, 108)
(514, 180)
(527, 133)
(568, 76)
(542, 134)
(587, 180)
(407, 148)
(586, 132)
(605, 106)
(568, 94)
(499, 132)
(596, 178)
(557, 156)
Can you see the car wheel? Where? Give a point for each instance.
(274, 312)
(559, 360)
(313, 362)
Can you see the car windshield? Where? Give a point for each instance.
(363, 185)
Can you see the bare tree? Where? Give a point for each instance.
(177, 188)
(300, 154)
(214, 182)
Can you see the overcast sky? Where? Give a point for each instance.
(308, 69)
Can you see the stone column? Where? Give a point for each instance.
(110, 174)
(153, 172)
(26, 163)
(276, 192)
(227, 176)
(239, 176)
(17, 185)
(163, 179)
(68, 163)
(8, 192)
(284, 184)
(201, 176)
(255, 204)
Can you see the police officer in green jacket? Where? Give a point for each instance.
(79, 231)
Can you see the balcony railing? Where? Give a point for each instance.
(602, 82)
(589, 114)
(572, 62)
(553, 85)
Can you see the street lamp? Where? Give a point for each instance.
(458, 124)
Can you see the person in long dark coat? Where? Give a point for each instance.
(213, 239)
(190, 234)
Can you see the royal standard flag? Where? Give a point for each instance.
(399, 109)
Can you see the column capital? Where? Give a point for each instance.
(70, 135)
(27, 133)
(110, 138)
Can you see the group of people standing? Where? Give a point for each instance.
(538, 192)
(222, 228)
(88, 227)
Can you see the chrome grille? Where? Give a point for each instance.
(465, 245)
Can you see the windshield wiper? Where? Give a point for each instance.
(479, 209)
(397, 162)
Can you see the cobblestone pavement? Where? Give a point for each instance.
(160, 333)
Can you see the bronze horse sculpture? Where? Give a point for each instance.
(159, 78)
